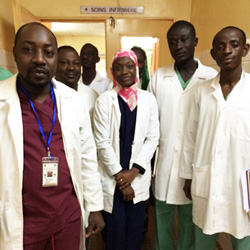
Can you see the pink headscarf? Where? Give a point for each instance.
(128, 94)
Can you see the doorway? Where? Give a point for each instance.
(148, 44)
(113, 31)
(119, 28)
(76, 34)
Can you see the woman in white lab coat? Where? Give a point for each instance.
(126, 131)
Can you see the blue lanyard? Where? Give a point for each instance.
(38, 122)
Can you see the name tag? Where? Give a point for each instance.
(50, 171)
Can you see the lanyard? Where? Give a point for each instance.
(38, 122)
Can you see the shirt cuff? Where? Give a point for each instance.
(141, 169)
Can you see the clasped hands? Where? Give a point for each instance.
(124, 180)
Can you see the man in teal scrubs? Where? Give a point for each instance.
(173, 87)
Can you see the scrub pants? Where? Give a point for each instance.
(124, 227)
(164, 231)
(208, 242)
(65, 239)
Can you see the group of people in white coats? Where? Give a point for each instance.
(203, 147)
(54, 166)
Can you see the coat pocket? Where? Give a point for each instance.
(200, 183)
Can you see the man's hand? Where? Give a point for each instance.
(125, 177)
(187, 189)
(96, 223)
(128, 193)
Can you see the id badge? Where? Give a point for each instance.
(50, 171)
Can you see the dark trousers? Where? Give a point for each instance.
(66, 239)
(124, 226)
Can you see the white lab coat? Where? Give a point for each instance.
(99, 84)
(107, 118)
(79, 148)
(174, 105)
(89, 95)
(215, 152)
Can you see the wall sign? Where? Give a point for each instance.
(111, 10)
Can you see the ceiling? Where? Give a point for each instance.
(78, 29)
